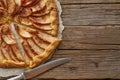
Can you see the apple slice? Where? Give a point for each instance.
(27, 49)
(22, 32)
(8, 39)
(1, 35)
(23, 1)
(17, 52)
(41, 20)
(25, 34)
(34, 47)
(46, 37)
(11, 6)
(5, 4)
(3, 15)
(13, 57)
(29, 3)
(13, 34)
(1, 55)
(18, 5)
(43, 27)
(24, 21)
(25, 12)
(31, 30)
(6, 35)
(40, 14)
(40, 42)
(28, 58)
(2, 3)
(28, 29)
(5, 29)
(18, 2)
(1, 40)
(17, 19)
(39, 7)
(4, 48)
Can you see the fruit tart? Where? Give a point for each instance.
(28, 32)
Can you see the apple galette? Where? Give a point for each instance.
(28, 32)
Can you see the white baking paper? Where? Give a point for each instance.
(16, 71)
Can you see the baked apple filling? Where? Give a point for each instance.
(4, 16)
(33, 37)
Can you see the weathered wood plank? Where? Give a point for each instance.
(91, 14)
(86, 64)
(88, 1)
(91, 37)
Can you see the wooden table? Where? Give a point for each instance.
(91, 38)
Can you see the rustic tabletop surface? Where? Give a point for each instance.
(91, 38)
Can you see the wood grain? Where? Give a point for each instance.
(91, 14)
(86, 64)
(91, 37)
(88, 1)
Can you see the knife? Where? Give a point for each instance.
(40, 69)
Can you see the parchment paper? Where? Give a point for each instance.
(17, 71)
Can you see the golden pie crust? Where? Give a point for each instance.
(36, 26)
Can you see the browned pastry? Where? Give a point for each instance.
(34, 35)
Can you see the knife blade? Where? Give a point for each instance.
(40, 69)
